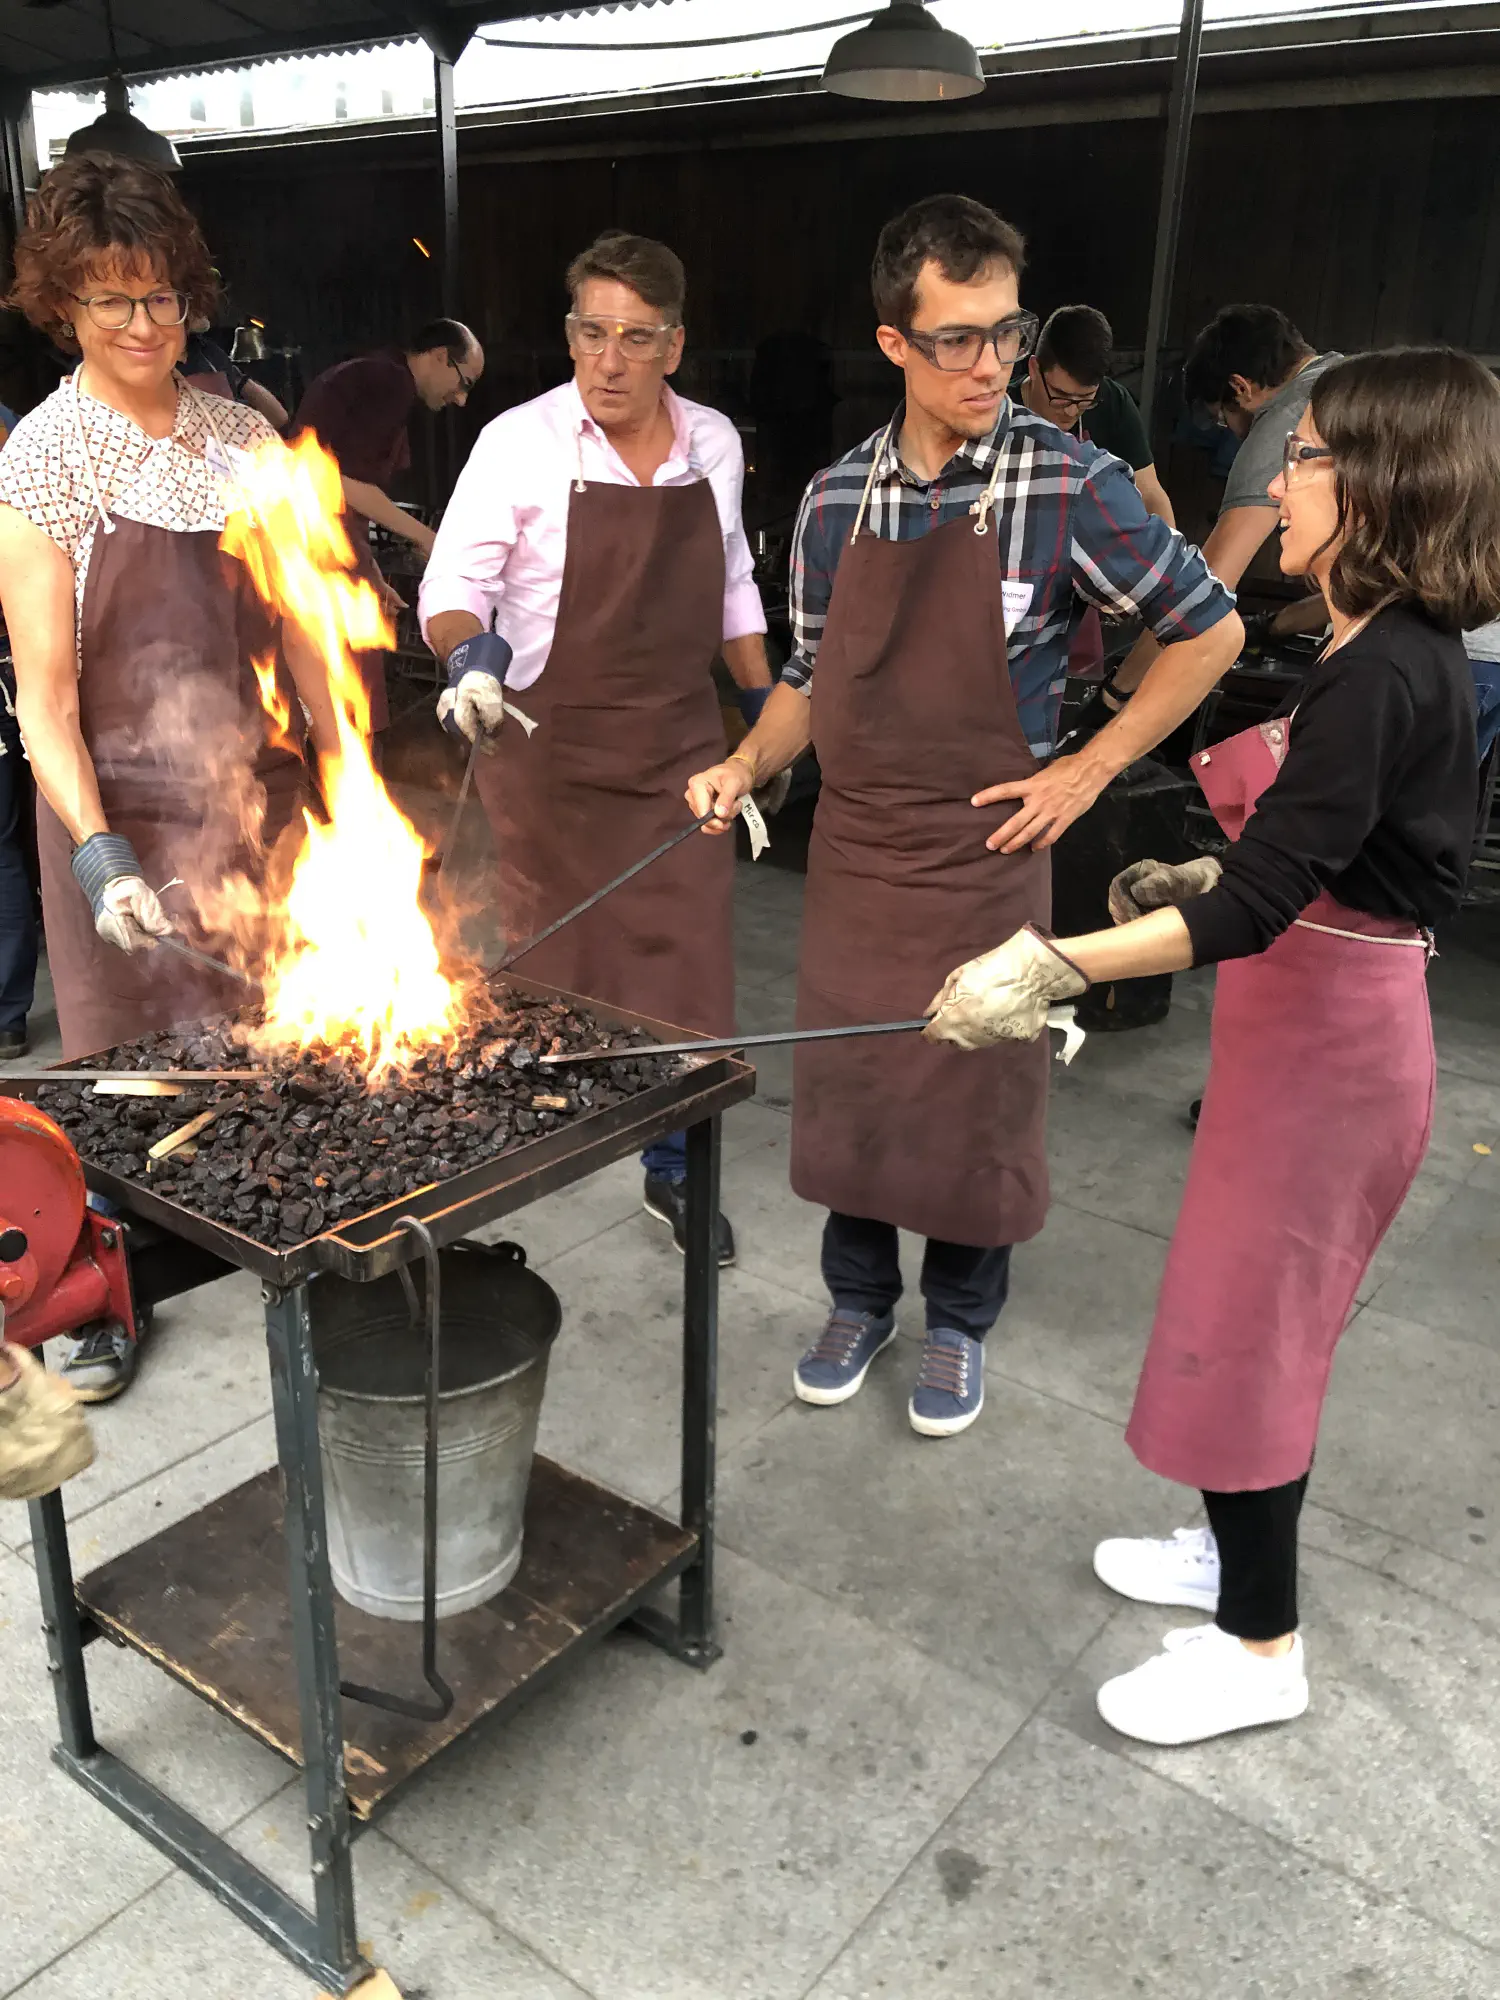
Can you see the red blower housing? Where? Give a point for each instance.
(62, 1264)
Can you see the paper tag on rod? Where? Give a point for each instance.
(755, 826)
(1062, 1019)
(520, 716)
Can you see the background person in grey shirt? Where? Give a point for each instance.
(1251, 367)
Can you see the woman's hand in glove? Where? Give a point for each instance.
(1004, 995)
(126, 911)
(1154, 885)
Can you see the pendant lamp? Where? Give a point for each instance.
(903, 57)
(118, 133)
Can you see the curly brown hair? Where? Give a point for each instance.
(1415, 438)
(87, 208)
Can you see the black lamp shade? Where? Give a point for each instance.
(903, 57)
(120, 135)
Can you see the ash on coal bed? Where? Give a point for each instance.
(312, 1146)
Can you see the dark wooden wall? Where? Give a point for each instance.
(1367, 223)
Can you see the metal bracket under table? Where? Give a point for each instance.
(237, 1603)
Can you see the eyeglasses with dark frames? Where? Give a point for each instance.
(113, 311)
(957, 349)
(1079, 405)
(465, 382)
(1297, 453)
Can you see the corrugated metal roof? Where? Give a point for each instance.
(49, 44)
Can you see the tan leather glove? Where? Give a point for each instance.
(1004, 995)
(1152, 885)
(44, 1436)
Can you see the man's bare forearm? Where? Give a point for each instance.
(447, 629)
(781, 735)
(376, 506)
(1177, 680)
(746, 660)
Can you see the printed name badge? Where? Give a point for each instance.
(1016, 598)
(755, 826)
(226, 462)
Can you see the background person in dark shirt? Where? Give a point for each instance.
(1350, 823)
(360, 410)
(1068, 382)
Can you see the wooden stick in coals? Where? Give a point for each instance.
(588, 903)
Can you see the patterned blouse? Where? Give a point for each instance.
(162, 482)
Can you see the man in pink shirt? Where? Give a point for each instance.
(593, 555)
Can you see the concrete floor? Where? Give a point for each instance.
(894, 1785)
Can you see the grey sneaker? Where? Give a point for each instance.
(835, 1366)
(102, 1362)
(950, 1384)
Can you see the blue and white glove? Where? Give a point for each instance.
(472, 705)
(126, 911)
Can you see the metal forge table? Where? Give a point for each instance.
(237, 1602)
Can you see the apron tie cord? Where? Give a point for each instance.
(83, 445)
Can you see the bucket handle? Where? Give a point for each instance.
(400, 1704)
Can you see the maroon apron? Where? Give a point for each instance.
(172, 719)
(1315, 1120)
(912, 713)
(626, 713)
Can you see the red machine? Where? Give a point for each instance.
(62, 1264)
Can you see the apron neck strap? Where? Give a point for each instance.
(875, 463)
(986, 501)
(83, 445)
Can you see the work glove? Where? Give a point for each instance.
(472, 705)
(1152, 885)
(44, 1436)
(126, 911)
(1004, 995)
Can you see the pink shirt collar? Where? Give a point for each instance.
(678, 461)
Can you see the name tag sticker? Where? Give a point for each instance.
(1016, 598)
(755, 826)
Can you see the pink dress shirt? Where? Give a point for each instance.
(504, 537)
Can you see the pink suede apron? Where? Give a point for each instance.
(1315, 1119)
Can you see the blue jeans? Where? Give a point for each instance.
(18, 944)
(1487, 688)
(667, 1159)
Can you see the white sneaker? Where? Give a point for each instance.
(1182, 1571)
(1204, 1683)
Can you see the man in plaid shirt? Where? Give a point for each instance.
(934, 578)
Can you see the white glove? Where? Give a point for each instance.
(129, 915)
(1153, 885)
(476, 706)
(1004, 995)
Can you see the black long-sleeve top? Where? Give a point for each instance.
(1375, 801)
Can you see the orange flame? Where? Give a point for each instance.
(356, 963)
(274, 702)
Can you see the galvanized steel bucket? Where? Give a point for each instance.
(498, 1322)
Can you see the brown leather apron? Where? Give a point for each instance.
(172, 719)
(912, 713)
(626, 713)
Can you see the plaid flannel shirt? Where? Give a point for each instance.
(1071, 525)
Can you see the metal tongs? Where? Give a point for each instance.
(1060, 1018)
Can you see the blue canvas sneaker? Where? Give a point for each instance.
(835, 1366)
(950, 1384)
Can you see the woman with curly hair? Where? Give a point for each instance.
(133, 636)
(1350, 823)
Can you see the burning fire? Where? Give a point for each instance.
(355, 963)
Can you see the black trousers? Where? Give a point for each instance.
(963, 1288)
(1257, 1538)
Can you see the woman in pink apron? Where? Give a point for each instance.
(1350, 821)
(134, 636)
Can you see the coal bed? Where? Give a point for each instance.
(312, 1143)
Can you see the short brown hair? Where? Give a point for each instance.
(1077, 339)
(962, 237)
(88, 207)
(1415, 438)
(652, 271)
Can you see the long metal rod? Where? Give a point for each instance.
(720, 1044)
(209, 964)
(589, 902)
(134, 1076)
(458, 811)
(294, 1400)
(1173, 182)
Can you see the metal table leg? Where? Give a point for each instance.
(314, 1944)
(690, 1637)
(294, 1397)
